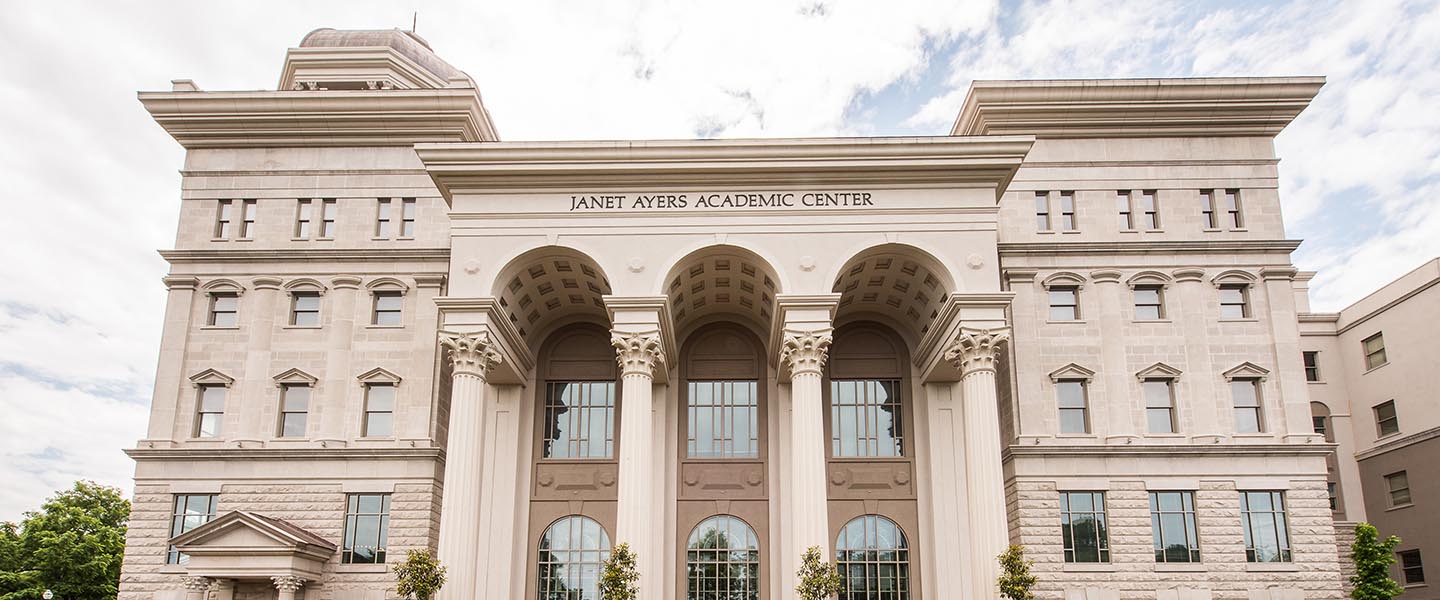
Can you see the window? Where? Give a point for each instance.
(1149, 210)
(379, 410)
(1248, 416)
(1320, 424)
(387, 309)
(865, 418)
(1412, 569)
(579, 420)
(1074, 411)
(1172, 524)
(1234, 301)
(407, 217)
(1262, 517)
(209, 411)
(573, 551)
(224, 310)
(367, 527)
(247, 219)
(1387, 422)
(1159, 405)
(1332, 493)
(1398, 485)
(723, 419)
(382, 218)
(303, 216)
(223, 218)
(1312, 365)
(327, 218)
(1149, 303)
(1064, 303)
(1083, 527)
(1042, 211)
(1207, 209)
(873, 558)
(1127, 218)
(1067, 211)
(722, 560)
(1232, 209)
(1375, 351)
(190, 511)
(305, 309)
(294, 409)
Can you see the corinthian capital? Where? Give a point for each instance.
(805, 351)
(639, 353)
(288, 583)
(198, 584)
(977, 349)
(472, 353)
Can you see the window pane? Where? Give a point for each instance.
(379, 424)
(866, 418)
(572, 551)
(1072, 420)
(873, 557)
(579, 420)
(1159, 420)
(212, 398)
(381, 397)
(1071, 394)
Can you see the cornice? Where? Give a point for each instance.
(149, 454)
(1168, 450)
(1149, 247)
(1396, 444)
(319, 118)
(232, 255)
(1111, 108)
(978, 162)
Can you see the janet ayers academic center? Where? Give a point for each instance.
(1072, 323)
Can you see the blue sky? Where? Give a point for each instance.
(92, 189)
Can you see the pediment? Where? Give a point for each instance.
(211, 377)
(296, 376)
(1072, 371)
(1246, 370)
(248, 532)
(378, 375)
(1158, 370)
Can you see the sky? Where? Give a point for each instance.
(89, 185)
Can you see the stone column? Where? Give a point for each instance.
(1119, 405)
(169, 376)
(640, 355)
(255, 384)
(974, 352)
(196, 588)
(1195, 317)
(286, 586)
(803, 354)
(339, 388)
(472, 357)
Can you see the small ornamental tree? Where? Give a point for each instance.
(818, 578)
(1015, 579)
(1373, 558)
(620, 580)
(419, 576)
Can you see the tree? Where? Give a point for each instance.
(419, 576)
(1015, 579)
(818, 578)
(72, 545)
(620, 580)
(1373, 558)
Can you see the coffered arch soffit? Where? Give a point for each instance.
(721, 280)
(899, 281)
(549, 285)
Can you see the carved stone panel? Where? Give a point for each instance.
(575, 481)
(734, 480)
(870, 479)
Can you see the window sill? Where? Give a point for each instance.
(384, 326)
(1070, 231)
(1154, 231)
(380, 239)
(1254, 435)
(1380, 438)
(219, 327)
(1212, 230)
(244, 239)
(409, 238)
(325, 239)
(1076, 322)
(1244, 320)
(1411, 586)
(1076, 436)
(1240, 230)
(375, 568)
(1174, 435)
(1089, 567)
(1129, 231)
(1180, 567)
(1315, 381)
(1046, 231)
(302, 327)
(1272, 567)
(1375, 368)
(1401, 507)
(1162, 321)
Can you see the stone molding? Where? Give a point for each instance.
(805, 351)
(976, 350)
(471, 354)
(196, 584)
(1148, 247)
(288, 583)
(638, 352)
(284, 255)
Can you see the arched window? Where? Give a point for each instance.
(866, 395)
(873, 557)
(572, 554)
(722, 560)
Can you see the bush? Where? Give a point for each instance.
(818, 578)
(1015, 579)
(1373, 558)
(420, 576)
(620, 580)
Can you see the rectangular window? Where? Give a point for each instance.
(327, 218)
(209, 411)
(1172, 525)
(1387, 422)
(305, 309)
(379, 410)
(1083, 527)
(1067, 211)
(1312, 365)
(382, 218)
(1149, 305)
(723, 419)
(1375, 351)
(1232, 209)
(367, 527)
(303, 216)
(1320, 424)
(1207, 209)
(1331, 491)
(223, 218)
(387, 309)
(1159, 405)
(1398, 486)
(1412, 569)
(579, 420)
(294, 409)
(188, 512)
(224, 310)
(1262, 518)
(1042, 211)
(1149, 210)
(1064, 303)
(247, 219)
(407, 217)
(1070, 396)
(1248, 416)
(865, 418)
(1234, 301)
(1127, 218)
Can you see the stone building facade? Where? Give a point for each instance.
(1071, 324)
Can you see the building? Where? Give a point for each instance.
(1073, 324)
(1384, 420)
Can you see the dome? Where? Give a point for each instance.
(407, 43)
